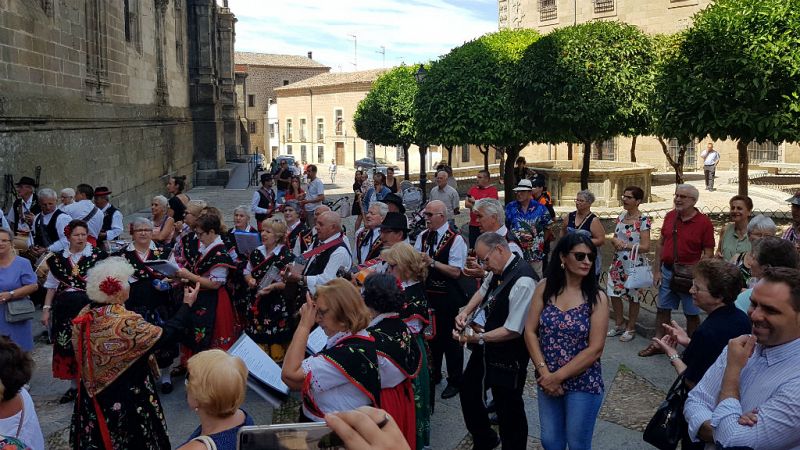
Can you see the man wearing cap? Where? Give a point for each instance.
(395, 203)
(112, 217)
(24, 208)
(368, 239)
(481, 190)
(446, 194)
(85, 210)
(529, 221)
(394, 229)
(792, 234)
(263, 201)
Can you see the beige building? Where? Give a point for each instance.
(653, 17)
(315, 118)
(260, 74)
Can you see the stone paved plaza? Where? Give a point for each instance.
(634, 385)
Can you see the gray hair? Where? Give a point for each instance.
(688, 187)
(142, 221)
(241, 209)
(587, 195)
(160, 200)
(492, 207)
(47, 193)
(383, 208)
(492, 240)
(761, 223)
(69, 192)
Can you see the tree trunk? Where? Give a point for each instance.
(569, 151)
(423, 150)
(677, 166)
(744, 164)
(511, 154)
(449, 155)
(503, 163)
(485, 154)
(633, 149)
(587, 157)
(406, 167)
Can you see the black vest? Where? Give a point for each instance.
(264, 201)
(317, 266)
(299, 230)
(45, 235)
(438, 283)
(108, 216)
(497, 313)
(19, 213)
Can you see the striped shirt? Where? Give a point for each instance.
(770, 381)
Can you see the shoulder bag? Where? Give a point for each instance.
(668, 424)
(640, 275)
(682, 274)
(19, 310)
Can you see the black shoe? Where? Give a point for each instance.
(449, 392)
(166, 388)
(68, 396)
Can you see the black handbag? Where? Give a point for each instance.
(665, 429)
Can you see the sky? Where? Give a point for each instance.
(409, 31)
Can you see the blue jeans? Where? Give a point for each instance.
(568, 420)
(669, 299)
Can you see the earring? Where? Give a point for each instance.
(562, 265)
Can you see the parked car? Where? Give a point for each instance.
(288, 158)
(369, 163)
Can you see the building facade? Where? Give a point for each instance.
(265, 72)
(121, 94)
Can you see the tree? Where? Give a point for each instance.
(743, 79)
(467, 98)
(587, 82)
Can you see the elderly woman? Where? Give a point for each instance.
(399, 356)
(631, 228)
(237, 288)
(66, 296)
(269, 316)
(186, 249)
(715, 287)
(179, 201)
(583, 220)
(150, 291)
(18, 417)
(164, 225)
(733, 239)
(216, 384)
(759, 227)
(17, 281)
(344, 375)
(66, 197)
(565, 334)
(295, 226)
(118, 406)
(769, 251)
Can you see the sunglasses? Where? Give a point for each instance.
(580, 256)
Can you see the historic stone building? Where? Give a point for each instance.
(259, 75)
(117, 93)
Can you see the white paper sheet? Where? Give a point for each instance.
(258, 363)
(316, 341)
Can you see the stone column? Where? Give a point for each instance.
(226, 36)
(162, 90)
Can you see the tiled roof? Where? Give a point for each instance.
(336, 79)
(267, 59)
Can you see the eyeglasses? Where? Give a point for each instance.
(482, 261)
(580, 256)
(5, 240)
(430, 214)
(143, 230)
(681, 196)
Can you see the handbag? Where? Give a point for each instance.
(682, 274)
(19, 310)
(640, 275)
(665, 429)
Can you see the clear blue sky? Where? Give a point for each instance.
(411, 31)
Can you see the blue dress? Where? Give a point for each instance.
(15, 276)
(224, 440)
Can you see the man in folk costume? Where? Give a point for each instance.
(112, 217)
(368, 239)
(23, 210)
(309, 239)
(294, 226)
(324, 260)
(445, 252)
(496, 317)
(263, 202)
(47, 233)
(84, 209)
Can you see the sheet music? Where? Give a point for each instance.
(258, 363)
(316, 341)
(167, 268)
(272, 275)
(480, 318)
(246, 242)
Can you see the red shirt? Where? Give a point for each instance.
(477, 193)
(694, 235)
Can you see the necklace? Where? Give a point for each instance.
(628, 216)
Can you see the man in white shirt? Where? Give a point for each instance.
(83, 209)
(48, 225)
(327, 257)
(491, 217)
(112, 217)
(24, 208)
(332, 170)
(368, 237)
(710, 161)
(315, 194)
(3, 222)
(446, 194)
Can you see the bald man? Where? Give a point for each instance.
(327, 257)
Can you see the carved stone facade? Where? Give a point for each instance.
(108, 93)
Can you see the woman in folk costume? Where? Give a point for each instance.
(268, 317)
(344, 375)
(150, 292)
(212, 314)
(236, 285)
(407, 265)
(66, 296)
(399, 356)
(117, 405)
(186, 244)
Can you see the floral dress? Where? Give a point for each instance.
(630, 233)
(268, 316)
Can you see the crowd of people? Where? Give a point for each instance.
(126, 318)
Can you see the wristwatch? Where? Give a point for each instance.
(674, 357)
(480, 339)
(10, 295)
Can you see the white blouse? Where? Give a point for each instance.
(52, 282)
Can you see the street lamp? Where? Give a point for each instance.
(420, 75)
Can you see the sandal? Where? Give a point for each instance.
(627, 336)
(616, 331)
(651, 350)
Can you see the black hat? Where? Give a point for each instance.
(101, 191)
(266, 177)
(27, 181)
(395, 199)
(537, 182)
(395, 221)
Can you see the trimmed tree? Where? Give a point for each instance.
(467, 98)
(587, 82)
(741, 77)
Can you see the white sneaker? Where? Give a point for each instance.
(627, 336)
(615, 332)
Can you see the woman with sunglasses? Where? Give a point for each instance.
(344, 375)
(565, 334)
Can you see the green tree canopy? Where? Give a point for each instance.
(587, 82)
(466, 97)
(737, 75)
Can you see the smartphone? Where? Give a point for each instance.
(290, 436)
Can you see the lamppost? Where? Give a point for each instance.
(420, 75)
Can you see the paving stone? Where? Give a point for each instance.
(631, 400)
